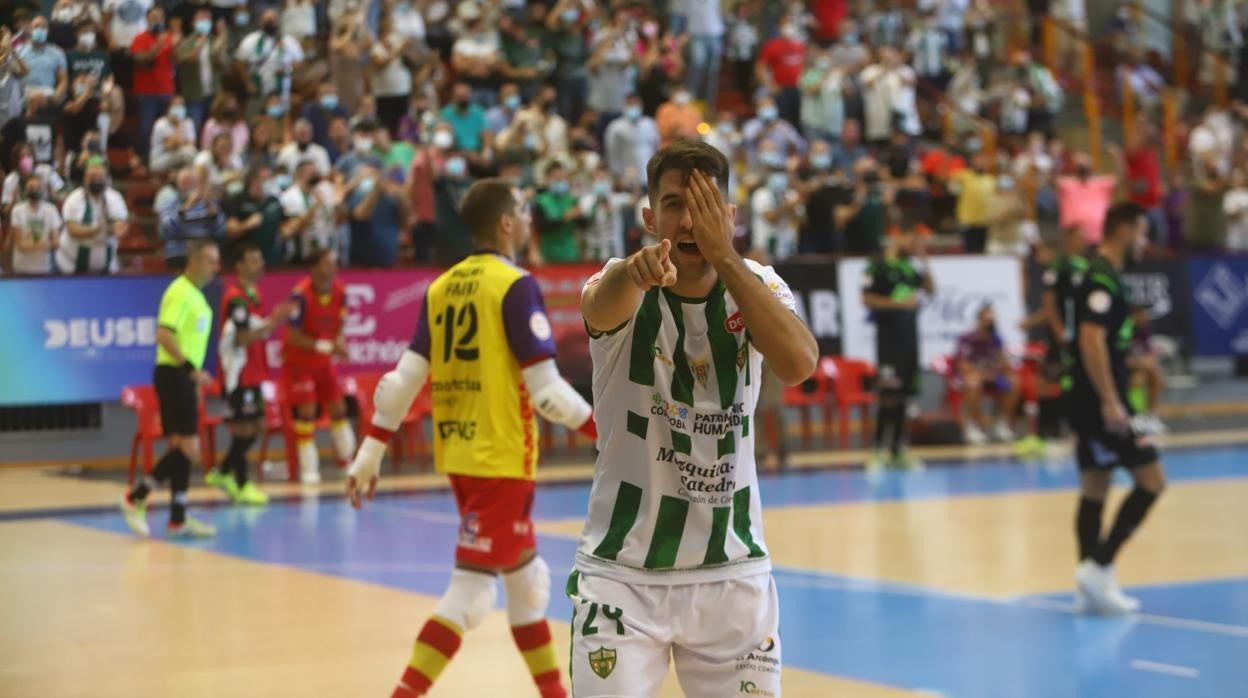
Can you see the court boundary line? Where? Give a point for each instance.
(1185, 672)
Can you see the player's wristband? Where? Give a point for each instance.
(589, 428)
(323, 346)
(380, 433)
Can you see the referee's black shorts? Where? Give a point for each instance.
(179, 400)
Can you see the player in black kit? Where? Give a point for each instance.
(1100, 414)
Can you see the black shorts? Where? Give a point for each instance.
(179, 400)
(898, 373)
(245, 403)
(1056, 365)
(1098, 449)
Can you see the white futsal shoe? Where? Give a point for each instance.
(974, 435)
(1098, 591)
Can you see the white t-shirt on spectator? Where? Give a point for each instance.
(299, 19)
(83, 209)
(52, 183)
(270, 59)
(629, 144)
(392, 79)
(215, 173)
(477, 46)
(784, 231)
(323, 229)
(886, 92)
(290, 156)
(129, 20)
(165, 128)
(43, 222)
(408, 22)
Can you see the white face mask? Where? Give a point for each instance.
(363, 144)
(87, 41)
(443, 140)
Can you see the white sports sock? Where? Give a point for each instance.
(309, 460)
(344, 439)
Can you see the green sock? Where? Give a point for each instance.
(1138, 397)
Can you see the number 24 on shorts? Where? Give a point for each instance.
(609, 613)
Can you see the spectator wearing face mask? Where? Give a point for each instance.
(361, 153)
(270, 59)
(559, 218)
(771, 127)
(468, 122)
(629, 142)
(612, 70)
(310, 207)
(605, 209)
(566, 22)
(173, 139)
(864, 216)
(888, 95)
(22, 166)
(475, 56)
(779, 69)
(203, 59)
(36, 229)
(453, 240)
(390, 77)
(975, 187)
(526, 59)
(321, 111)
(743, 46)
(254, 217)
(501, 115)
(91, 80)
(226, 117)
(706, 49)
(152, 51)
(777, 210)
(678, 118)
(190, 211)
(1010, 232)
(95, 217)
(428, 163)
(824, 189)
(1084, 198)
(301, 149)
(46, 67)
(348, 60)
(823, 98)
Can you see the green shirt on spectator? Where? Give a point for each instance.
(558, 235)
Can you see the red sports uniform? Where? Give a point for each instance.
(312, 377)
(243, 369)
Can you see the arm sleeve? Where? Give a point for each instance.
(74, 209)
(117, 210)
(296, 317)
(1097, 301)
(172, 308)
(779, 288)
(529, 333)
(420, 339)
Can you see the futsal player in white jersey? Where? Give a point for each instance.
(672, 561)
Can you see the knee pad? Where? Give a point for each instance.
(528, 592)
(468, 598)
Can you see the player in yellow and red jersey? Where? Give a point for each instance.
(486, 342)
(313, 340)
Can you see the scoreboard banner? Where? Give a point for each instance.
(963, 285)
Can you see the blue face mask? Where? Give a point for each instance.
(203, 26)
(177, 111)
(559, 187)
(366, 185)
(242, 19)
(771, 158)
(821, 162)
(530, 141)
(329, 101)
(850, 38)
(283, 182)
(768, 113)
(602, 187)
(632, 112)
(571, 15)
(276, 111)
(512, 102)
(778, 181)
(39, 35)
(456, 167)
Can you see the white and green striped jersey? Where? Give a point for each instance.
(675, 494)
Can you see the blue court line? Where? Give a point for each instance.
(895, 634)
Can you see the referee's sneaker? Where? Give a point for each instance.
(185, 323)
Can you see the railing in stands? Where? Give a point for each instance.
(949, 109)
(1183, 38)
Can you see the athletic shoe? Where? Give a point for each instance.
(191, 528)
(310, 477)
(905, 461)
(973, 435)
(1101, 590)
(136, 516)
(1029, 446)
(222, 481)
(1002, 432)
(876, 461)
(251, 495)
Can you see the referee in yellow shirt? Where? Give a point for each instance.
(184, 326)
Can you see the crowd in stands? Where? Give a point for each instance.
(359, 124)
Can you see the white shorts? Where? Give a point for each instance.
(724, 637)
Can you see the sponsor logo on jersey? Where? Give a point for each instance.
(602, 661)
(750, 689)
(470, 536)
(743, 355)
(735, 323)
(701, 371)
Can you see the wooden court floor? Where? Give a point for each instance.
(954, 581)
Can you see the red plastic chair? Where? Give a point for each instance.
(823, 397)
(142, 399)
(849, 385)
(285, 421)
(943, 365)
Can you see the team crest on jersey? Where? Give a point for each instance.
(701, 371)
(743, 354)
(602, 661)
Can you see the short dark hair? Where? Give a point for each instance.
(318, 255)
(246, 249)
(686, 156)
(1122, 214)
(487, 201)
(198, 245)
